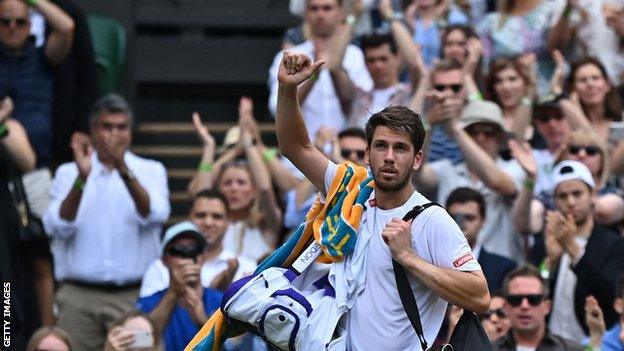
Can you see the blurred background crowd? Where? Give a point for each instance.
(121, 227)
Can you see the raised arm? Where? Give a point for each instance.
(527, 216)
(59, 42)
(562, 32)
(268, 205)
(203, 178)
(14, 140)
(480, 162)
(292, 135)
(407, 48)
(337, 47)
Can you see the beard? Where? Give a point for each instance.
(392, 186)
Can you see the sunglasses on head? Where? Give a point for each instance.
(346, 153)
(442, 87)
(516, 300)
(499, 312)
(19, 21)
(590, 150)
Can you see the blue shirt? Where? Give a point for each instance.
(611, 339)
(428, 37)
(180, 329)
(27, 79)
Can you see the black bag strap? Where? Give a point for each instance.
(405, 290)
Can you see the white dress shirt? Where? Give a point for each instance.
(108, 241)
(321, 106)
(157, 275)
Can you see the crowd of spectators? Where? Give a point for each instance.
(522, 102)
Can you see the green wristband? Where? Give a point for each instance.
(476, 96)
(32, 3)
(4, 131)
(79, 184)
(205, 167)
(529, 183)
(269, 154)
(543, 269)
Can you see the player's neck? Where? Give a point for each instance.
(387, 200)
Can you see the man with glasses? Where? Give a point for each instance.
(184, 306)
(479, 133)
(467, 207)
(495, 321)
(324, 98)
(527, 306)
(26, 77)
(580, 256)
(105, 221)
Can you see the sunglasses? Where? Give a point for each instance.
(590, 150)
(346, 153)
(516, 300)
(442, 87)
(499, 312)
(19, 21)
(190, 251)
(488, 131)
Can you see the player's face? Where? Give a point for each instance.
(392, 159)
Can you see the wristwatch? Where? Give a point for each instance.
(127, 176)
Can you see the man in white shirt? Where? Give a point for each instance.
(105, 221)
(432, 249)
(219, 267)
(324, 97)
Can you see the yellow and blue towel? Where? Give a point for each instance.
(333, 224)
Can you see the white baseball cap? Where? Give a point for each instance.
(572, 170)
(183, 228)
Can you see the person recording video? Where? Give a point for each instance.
(179, 310)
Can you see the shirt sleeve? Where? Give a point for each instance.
(54, 225)
(353, 63)
(273, 84)
(447, 245)
(154, 181)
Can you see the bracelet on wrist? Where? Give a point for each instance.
(476, 96)
(543, 269)
(526, 101)
(79, 184)
(205, 167)
(4, 131)
(529, 183)
(269, 154)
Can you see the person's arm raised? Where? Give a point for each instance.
(59, 42)
(480, 162)
(292, 136)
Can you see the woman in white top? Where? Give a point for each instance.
(242, 176)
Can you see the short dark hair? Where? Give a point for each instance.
(399, 119)
(339, 2)
(526, 270)
(211, 194)
(110, 104)
(445, 65)
(462, 195)
(376, 40)
(352, 132)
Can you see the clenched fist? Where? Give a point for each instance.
(297, 68)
